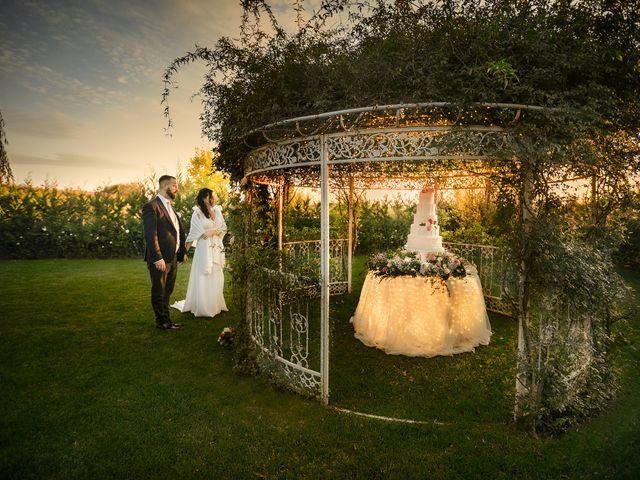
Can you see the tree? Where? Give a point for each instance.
(201, 173)
(6, 175)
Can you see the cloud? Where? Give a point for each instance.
(123, 47)
(59, 86)
(13, 59)
(67, 160)
(43, 124)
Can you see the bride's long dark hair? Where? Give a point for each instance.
(202, 194)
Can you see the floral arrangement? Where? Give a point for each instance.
(405, 262)
(226, 336)
(430, 225)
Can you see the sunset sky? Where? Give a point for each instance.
(81, 83)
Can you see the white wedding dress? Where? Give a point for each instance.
(205, 296)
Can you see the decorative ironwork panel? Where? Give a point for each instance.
(279, 314)
(303, 381)
(283, 154)
(305, 255)
(409, 143)
(494, 272)
(400, 143)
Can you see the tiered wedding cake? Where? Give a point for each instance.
(406, 315)
(425, 232)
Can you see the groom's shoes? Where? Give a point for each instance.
(169, 326)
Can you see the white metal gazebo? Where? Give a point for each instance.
(390, 146)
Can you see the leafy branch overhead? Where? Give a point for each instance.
(580, 57)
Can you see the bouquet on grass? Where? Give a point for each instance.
(226, 336)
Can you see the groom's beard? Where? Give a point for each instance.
(170, 194)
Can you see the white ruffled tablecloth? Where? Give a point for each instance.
(421, 316)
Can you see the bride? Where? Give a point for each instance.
(206, 281)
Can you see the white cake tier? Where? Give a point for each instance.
(421, 243)
(426, 203)
(417, 229)
(424, 236)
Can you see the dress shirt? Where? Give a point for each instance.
(173, 216)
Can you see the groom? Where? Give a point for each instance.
(164, 248)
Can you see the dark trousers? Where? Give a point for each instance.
(162, 284)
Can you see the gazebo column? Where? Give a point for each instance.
(324, 271)
(350, 236)
(524, 380)
(280, 210)
(248, 230)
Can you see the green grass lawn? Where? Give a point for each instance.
(90, 389)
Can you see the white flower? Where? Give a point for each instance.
(126, 231)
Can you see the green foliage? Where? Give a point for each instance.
(576, 297)
(627, 222)
(302, 219)
(48, 222)
(502, 70)
(579, 57)
(45, 222)
(200, 173)
(383, 225)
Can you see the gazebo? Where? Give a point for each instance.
(390, 147)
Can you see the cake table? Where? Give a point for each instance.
(422, 316)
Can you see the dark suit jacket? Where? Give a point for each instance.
(160, 234)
